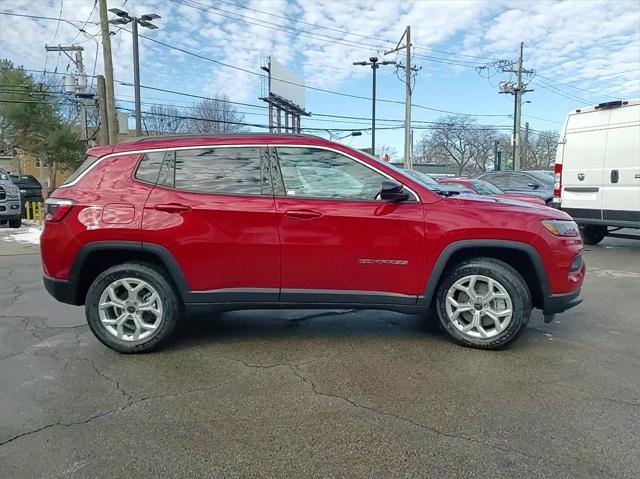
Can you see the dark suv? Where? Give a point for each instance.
(30, 189)
(537, 183)
(148, 230)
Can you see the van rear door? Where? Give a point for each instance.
(621, 179)
(583, 157)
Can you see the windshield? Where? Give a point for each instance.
(422, 178)
(486, 188)
(545, 177)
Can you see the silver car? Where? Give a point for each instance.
(10, 205)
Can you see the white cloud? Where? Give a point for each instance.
(569, 41)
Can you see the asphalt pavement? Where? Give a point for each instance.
(322, 394)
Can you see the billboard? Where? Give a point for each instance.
(286, 84)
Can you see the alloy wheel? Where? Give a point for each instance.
(479, 306)
(130, 309)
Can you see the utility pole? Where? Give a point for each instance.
(375, 64)
(143, 20)
(408, 69)
(136, 78)
(517, 90)
(103, 134)
(79, 85)
(525, 145)
(496, 165)
(109, 121)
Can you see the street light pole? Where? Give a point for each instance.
(123, 19)
(136, 77)
(375, 64)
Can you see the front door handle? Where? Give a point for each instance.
(172, 208)
(303, 214)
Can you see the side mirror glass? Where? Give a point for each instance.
(393, 191)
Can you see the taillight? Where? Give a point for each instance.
(557, 180)
(55, 209)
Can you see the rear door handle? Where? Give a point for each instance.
(172, 208)
(303, 214)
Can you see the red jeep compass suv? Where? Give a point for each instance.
(148, 230)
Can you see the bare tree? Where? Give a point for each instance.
(541, 151)
(482, 145)
(215, 116)
(164, 119)
(451, 141)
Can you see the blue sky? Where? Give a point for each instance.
(582, 52)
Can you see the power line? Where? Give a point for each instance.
(557, 91)
(323, 90)
(305, 33)
(577, 88)
(347, 32)
(41, 17)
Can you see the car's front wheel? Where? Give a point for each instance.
(132, 308)
(483, 303)
(15, 223)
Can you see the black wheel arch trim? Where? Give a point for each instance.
(446, 254)
(160, 252)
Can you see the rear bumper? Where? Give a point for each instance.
(558, 303)
(62, 290)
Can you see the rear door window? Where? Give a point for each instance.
(149, 166)
(225, 170)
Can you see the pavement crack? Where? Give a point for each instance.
(113, 381)
(432, 429)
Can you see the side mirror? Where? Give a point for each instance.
(533, 186)
(393, 191)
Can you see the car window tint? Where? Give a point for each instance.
(519, 180)
(316, 173)
(499, 179)
(149, 166)
(219, 170)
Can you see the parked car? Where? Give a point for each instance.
(158, 227)
(598, 169)
(30, 189)
(10, 205)
(482, 187)
(429, 182)
(537, 183)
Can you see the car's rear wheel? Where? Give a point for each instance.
(132, 308)
(593, 234)
(483, 303)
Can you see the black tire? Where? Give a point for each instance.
(509, 279)
(171, 307)
(593, 234)
(15, 223)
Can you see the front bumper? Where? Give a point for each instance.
(558, 303)
(10, 209)
(62, 290)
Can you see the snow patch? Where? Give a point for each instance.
(26, 234)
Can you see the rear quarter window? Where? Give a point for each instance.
(86, 164)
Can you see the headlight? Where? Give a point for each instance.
(23, 191)
(562, 227)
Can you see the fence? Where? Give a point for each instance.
(34, 211)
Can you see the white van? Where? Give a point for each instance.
(597, 170)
